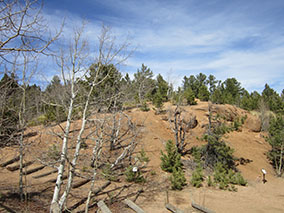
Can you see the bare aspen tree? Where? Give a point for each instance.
(27, 71)
(73, 64)
(108, 53)
(23, 28)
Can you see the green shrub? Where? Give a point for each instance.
(226, 178)
(144, 107)
(171, 159)
(143, 157)
(222, 129)
(53, 152)
(197, 177)
(239, 180)
(132, 176)
(178, 181)
(40, 120)
(196, 152)
(108, 173)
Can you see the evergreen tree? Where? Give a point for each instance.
(211, 82)
(189, 96)
(271, 97)
(143, 83)
(162, 87)
(276, 140)
(171, 159)
(10, 95)
(107, 92)
(203, 93)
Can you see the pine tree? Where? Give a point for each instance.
(276, 140)
(172, 159)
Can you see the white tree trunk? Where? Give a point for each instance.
(54, 203)
(77, 151)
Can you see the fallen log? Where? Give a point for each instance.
(14, 168)
(45, 174)
(103, 207)
(81, 183)
(201, 208)
(133, 206)
(55, 179)
(10, 161)
(34, 170)
(173, 209)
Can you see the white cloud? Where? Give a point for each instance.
(188, 37)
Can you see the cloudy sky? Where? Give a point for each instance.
(236, 38)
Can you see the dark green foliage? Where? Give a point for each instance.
(203, 93)
(158, 100)
(162, 87)
(55, 113)
(217, 156)
(197, 176)
(224, 178)
(172, 159)
(107, 91)
(217, 96)
(276, 140)
(216, 151)
(144, 84)
(10, 99)
(160, 93)
(132, 176)
(222, 129)
(189, 97)
(171, 162)
(177, 179)
(211, 82)
(250, 101)
(273, 100)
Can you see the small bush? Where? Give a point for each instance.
(144, 107)
(53, 153)
(108, 173)
(222, 129)
(177, 179)
(143, 157)
(227, 178)
(197, 177)
(132, 176)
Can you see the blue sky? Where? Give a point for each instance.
(236, 38)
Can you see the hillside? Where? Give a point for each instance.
(248, 143)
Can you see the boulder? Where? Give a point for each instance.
(253, 123)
